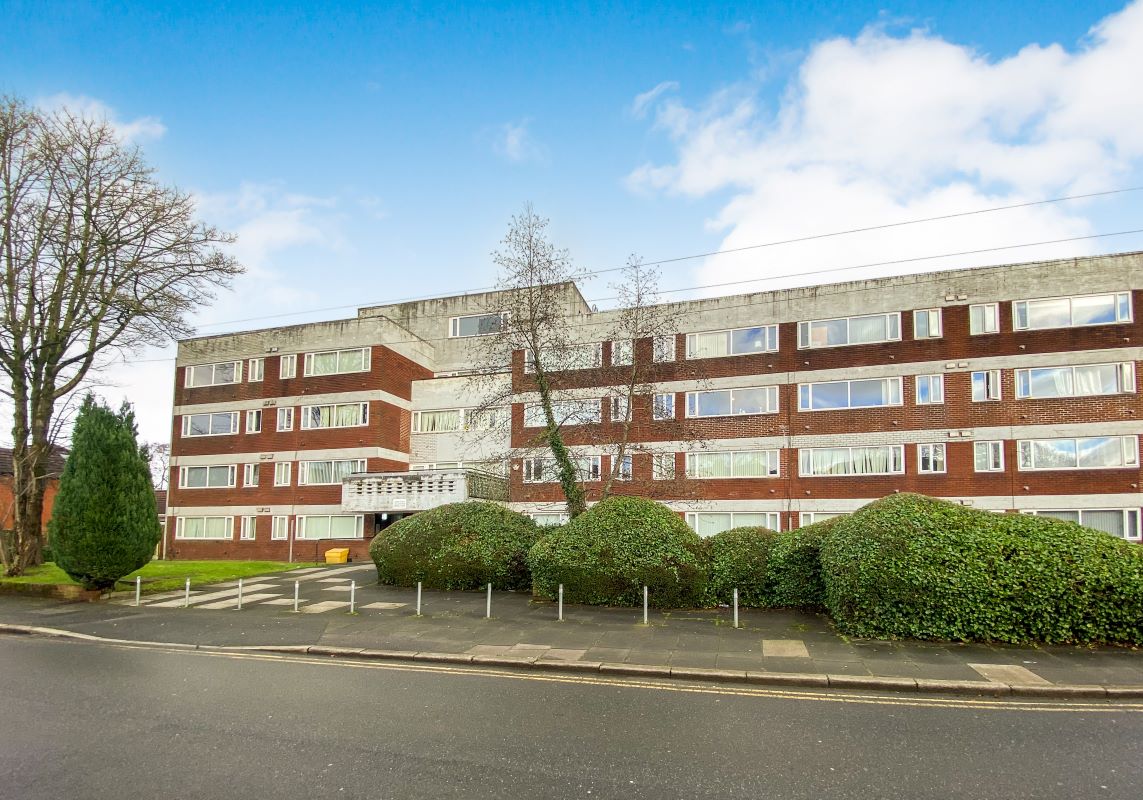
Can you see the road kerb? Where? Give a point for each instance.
(644, 670)
(872, 682)
(788, 678)
(706, 674)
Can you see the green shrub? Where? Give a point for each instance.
(608, 553)
(739, 560)
(795, 566)
(912, 566)
(104, 524)
(457, 546)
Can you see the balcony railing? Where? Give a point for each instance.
(417, 491)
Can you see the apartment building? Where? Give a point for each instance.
(1010, 388)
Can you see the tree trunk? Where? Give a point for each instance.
(29, 461)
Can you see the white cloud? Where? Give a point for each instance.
(644, 101)
(882, 128)
(515, 142)
(136, 130)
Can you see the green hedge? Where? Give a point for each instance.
(457, 546)
(795, 566)
(912, 566)
(608, 553)
(739, 559)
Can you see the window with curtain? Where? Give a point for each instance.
(566, 412)
(663, 349)
(927, 324)
(220, 477)
(1119, 522)
(330, 527)
(622, 352)
(733, 342)
(204, 528)
(333, 362)
(1091, 452)
(437, 421)
(984, 318)
(867, 393)
(573, 357)
(210, 424)
(341, 415)
(737, 464)
(883, 460)
(317, 473)
(864, 329)
(1079, 381)
(708, 523)
(1071, 312)
(214, 374)
(733, 402)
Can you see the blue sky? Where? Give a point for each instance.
(377, 153)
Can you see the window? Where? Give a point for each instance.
(336, 362)
(732, 402)
(986, 385)
(1083, 381)
(340, 415)
(204, 528)
(282, 473)
(742, 464)
(988, 456)
(548, 519)
(868, 393)
(333, 526)
(1071, 312)
(624, 471)
(850, 330)
(583, 356)
(288, 366)
(210, 424)
(663, 466)
(1092, 452)
(438, 421)
(927, 324)
(619, 408)
(566, 412)
(622, 353)
(663, 349)
(735, 342)
(324, 473)
(883, 460)
(930, 390)
(255, 369)
(1121, 522)
(810, 517)
(984, 318)
(249, 475)
(708, 523)
(254, 421)
(285, 419)
(663, 407)
(476, 325)
(248, 527)
(544, 470)
(280, 528)
(483, 419)
(214, 374)
(930, 459)
(221, 477)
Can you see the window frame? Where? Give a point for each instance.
(658, 473)
(283, 474)
(569, 419)
(1124, 378)
(1129, 454)
(812, 517)
(306, 415)
(256, 367)
(899, 448)
(621, 346)
(691, 400)
(180, 528)
(254, 414)
(769, 334)
(664, 349)
(807, 396)
(596, 359)
(231, 476)
(691, 519)
(618, 406)
(366, 361)
(929, 315)
(247, 528)
(250, 475)
(995, 447)
(304, 469)
(454, 324)
(301, 521)
(658, 409)
(188, 376)
(936, 382)
(187, 418)
(773, 465)
(1127, 513)
(594, 473)
(279, 528)
(288, 366)
(805, 329)
(1117, 299)
(934, 447)
(285, 419)
(990, 384)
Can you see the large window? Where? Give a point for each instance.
(544, 470)
(930, 459)
(708, 523)
(204, 528)
(930, 390)
(340, 415)
(988, 456)
(984, 318)
(850, 330)
(322, 473)
(438, 421)
(336, 526)
(1121, 522)
(476, 325)
(566, 412)
(220, 477)
(335, 362)
(1081, 381)
(812, 517)
(582, 356)
(734, 342)
(1092, 452)
(210, 424)
(732, 402)
(214, 374)
(868, 393)
(883, 460)
(1071, 312)
(739, 464)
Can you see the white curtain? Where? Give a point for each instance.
(437, 421)
(709, 524)
(1100, 379)
(1100, 451)
(707, 345)
(868, 329)
(754, 464)
(709, 465)
(1108, 521)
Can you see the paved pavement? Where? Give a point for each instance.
(524, 630)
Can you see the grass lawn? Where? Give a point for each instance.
(163, 576)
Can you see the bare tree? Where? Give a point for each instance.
(98, 259)
(158, 456)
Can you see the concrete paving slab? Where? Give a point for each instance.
(563, 654)
(232, 602)
(385, 606)
(196, 599)
(784, 648)
(1010, 673)
(329, 605)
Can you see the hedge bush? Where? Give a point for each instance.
(457, 546)
(795, 566)
(739, 559)
(912, 566)
(608, 553)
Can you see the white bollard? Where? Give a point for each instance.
(138, 588)
(561, 602)
(186, 597)
(296, 585)
(488, 610)
(352, 595)
(418, 598)
(644, 605)
(736, 609)
(239, 594)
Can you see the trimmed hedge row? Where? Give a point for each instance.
(796, 569)
(740, 559)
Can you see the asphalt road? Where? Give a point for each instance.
(89, 720)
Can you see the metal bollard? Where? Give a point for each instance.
(296, 585)
(239, 594)
(138, 588)
(352, 595)
(186, 597)
(418, 598)
(561, 602)
(644, 605)
(736, 609)
(488, 610)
